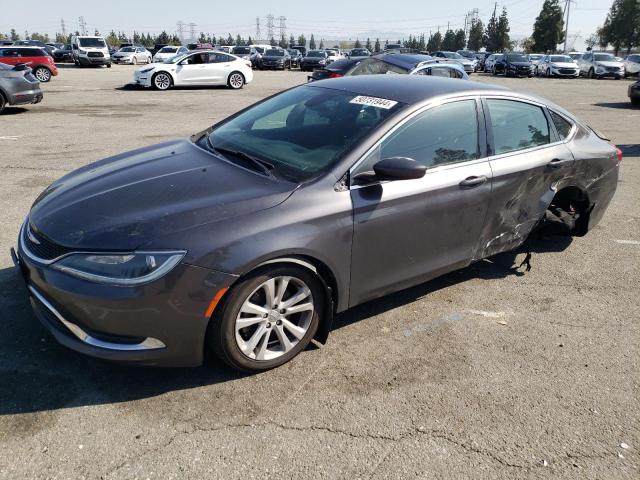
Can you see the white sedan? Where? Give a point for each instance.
(201, 68)
(167, 52)
(632, 65)
(132, 55)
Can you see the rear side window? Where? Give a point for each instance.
(563, 127)
(441, 135)
(517, 125)
(373, 66)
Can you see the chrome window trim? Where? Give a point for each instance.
(148, 343)
(436, 103)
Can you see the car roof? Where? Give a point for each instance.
(22, 47)
(404, 60)
(407, 89)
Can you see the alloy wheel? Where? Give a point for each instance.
(162, 81)
(42, 74)
(236, 81)
(274, 318)
(134, 61)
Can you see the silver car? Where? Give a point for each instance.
(18, 86)
(601, 65)
(132, 55)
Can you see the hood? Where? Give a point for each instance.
(564, 65)
(520, 64)
(123, 54)
(273, 57)
(313, 59)
(125, 201)
(609, 64)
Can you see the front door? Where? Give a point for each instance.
(408, 231)
(193, 70)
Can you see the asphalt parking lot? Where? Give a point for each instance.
(487, 372)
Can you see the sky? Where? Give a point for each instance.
(329, 19)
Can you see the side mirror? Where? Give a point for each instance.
(399, 168)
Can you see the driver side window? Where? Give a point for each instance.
(441, 135)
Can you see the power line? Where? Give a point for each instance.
(180, 28)
(269, 26)
(282, 21)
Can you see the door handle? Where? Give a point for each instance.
(473, 181)
(557, 163)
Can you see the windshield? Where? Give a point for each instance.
(515, 57)
(604, 57)
(259, 49)
(92, 42)
(241, 51)
(168, 50)
(536, 57)
(375, 66)
(359, 52)
(302, 131)
(316, 53)
(274, 53)
(452, 55)
(128, 49)
(467, 54)
(561, 58)
(575, 56)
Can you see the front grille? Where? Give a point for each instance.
(40, 246)
(612, 69)
(95, 54)
(567, 71)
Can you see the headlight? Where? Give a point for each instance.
(82, 52)
(146, 70)
(125, 270)
(322, 62)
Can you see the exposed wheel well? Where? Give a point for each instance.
(575, 202)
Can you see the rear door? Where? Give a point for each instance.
(527, 159)
(407, 231)
(219, 68)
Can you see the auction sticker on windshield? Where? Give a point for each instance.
(374, 102)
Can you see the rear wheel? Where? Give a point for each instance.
(161, 81)
(3, 102)
(591, 73)
(236, 80)
(134, 60)
(43, 74)
(267, 319)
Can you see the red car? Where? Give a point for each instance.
(37, 59)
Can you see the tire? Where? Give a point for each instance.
(591, 73)
(108, 65)
(43, 74)
(148, 60)
(634, 101)
(267, 332)
(134, 61)
(235, 80)
(161, 81)
(3, 102)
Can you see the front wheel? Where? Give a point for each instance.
(43, 74)
(236, 80)
(134, 61)
(3, 102)
(591, 73)
(267, 319)
(161, 81)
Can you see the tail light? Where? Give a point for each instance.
(619, 154)
(335, 75)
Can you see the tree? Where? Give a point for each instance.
(460, 40)
(249, 40)
(202, 38)
(435, 42)
(449, 41)
(312, 43)
(14, 35)
(421, 43)
(527, 45)
(175, 40)
(321, 46)
(163, 37)
(475, 35)
(368, 45)
(622, 26)
(302, 41)
(376, 47)
(504, 40)
(358, 44)
(489, 40)
(548, 29)
(283, 41)
(239, 42)
(591, 41)
(292, 41)
(273, 42)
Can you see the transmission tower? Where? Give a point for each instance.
(83, 25)
(192, 32)
(180, 28)
(470, 17)
(269, 27)
(63, 28)
(282, 26)
(257, 28)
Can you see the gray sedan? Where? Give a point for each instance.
(18, 86)
(249, 237)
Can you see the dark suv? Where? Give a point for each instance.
(514, 65)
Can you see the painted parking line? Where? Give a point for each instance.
(628, 242)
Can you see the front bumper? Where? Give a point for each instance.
(94, 60)
(160, 324)
(123, 60)
(565, 72)
(609, 73)
(143, 79)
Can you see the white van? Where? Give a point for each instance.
(88, 50)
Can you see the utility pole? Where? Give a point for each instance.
(257, 29)
(180, 27)
(567, 6)
(269, 27)
(83, 25)
(282, 26)
(63, 28)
